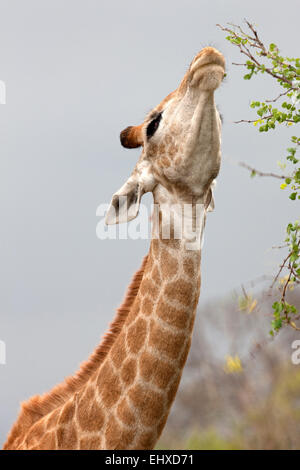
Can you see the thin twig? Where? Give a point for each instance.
(249, 121)
(280, 270)
(279, 247)
(281, 94)
(261, 173)
(286, 284)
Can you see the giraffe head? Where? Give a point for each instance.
(180, 140)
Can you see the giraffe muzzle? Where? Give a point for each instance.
(207, 69)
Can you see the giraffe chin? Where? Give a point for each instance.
(208, 77)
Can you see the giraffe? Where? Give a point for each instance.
(121, 397)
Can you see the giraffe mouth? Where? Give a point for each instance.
(208, 57)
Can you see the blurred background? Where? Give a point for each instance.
(78, 72)
(240, 389)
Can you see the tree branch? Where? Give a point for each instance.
(257, 43)
(262, 118)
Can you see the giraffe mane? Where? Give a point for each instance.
(39, 406)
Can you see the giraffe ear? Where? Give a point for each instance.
(132, 137)
(125, 203)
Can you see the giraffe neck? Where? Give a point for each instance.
(137, 383)
(126, 402)
(157, 340)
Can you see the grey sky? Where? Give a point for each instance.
(77, 73)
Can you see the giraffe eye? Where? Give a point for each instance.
(153, 126)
